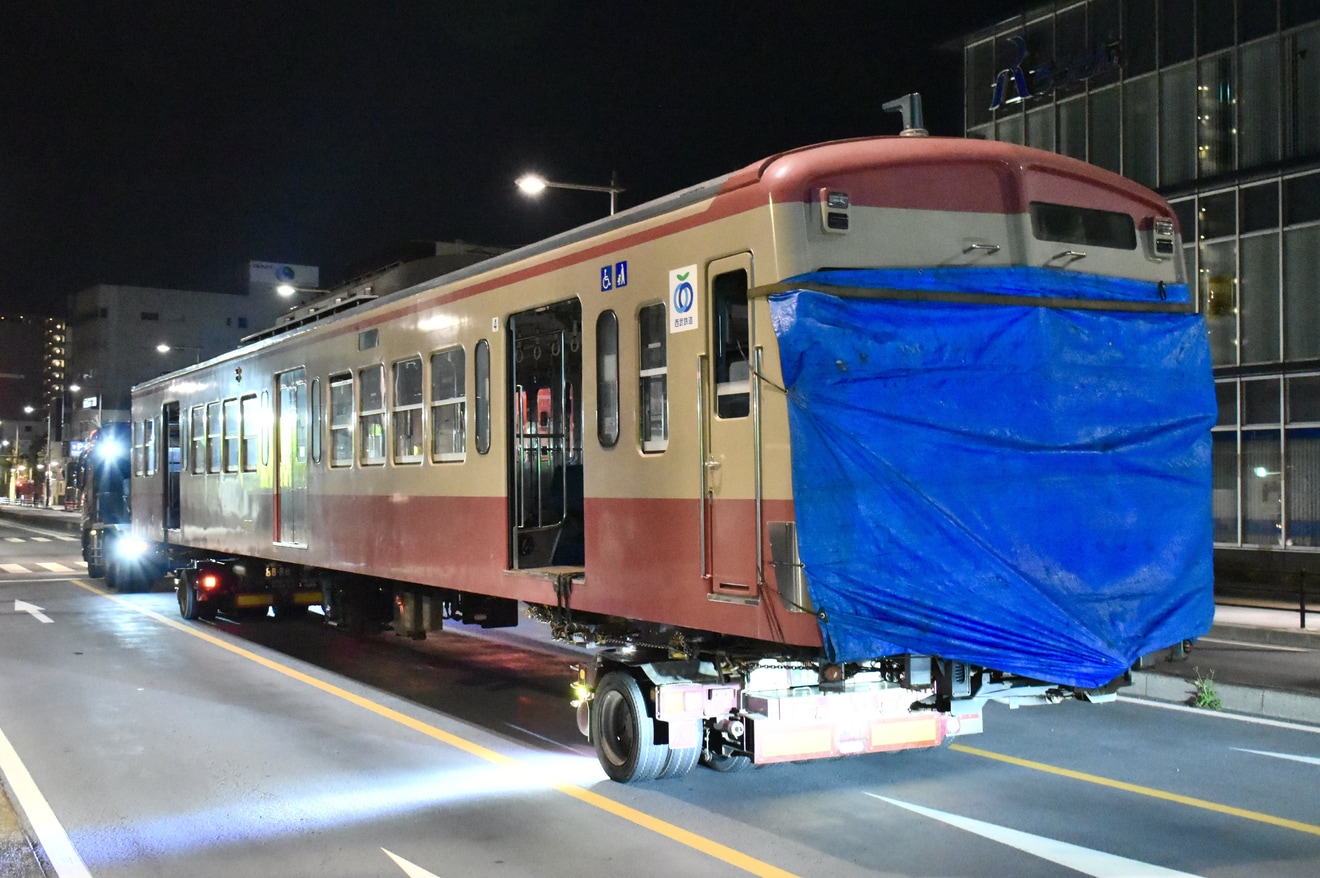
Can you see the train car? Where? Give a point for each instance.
(823, 455)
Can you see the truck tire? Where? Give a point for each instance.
(679, 762)
(622, 731)
(190, 607)
(725, 764)
(95, 571)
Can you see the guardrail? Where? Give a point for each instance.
(1290, 589)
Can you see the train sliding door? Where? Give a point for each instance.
(545, 497)
(291, 459)
(729, 470)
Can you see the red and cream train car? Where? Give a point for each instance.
(598, 426)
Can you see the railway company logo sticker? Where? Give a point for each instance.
(683, 304)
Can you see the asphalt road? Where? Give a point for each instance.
(171, 748)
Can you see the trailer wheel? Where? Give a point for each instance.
(679, 762)
(726, 764)
(95, 571)
(623, 733)
(190, 607)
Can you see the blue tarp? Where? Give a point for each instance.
(1024, 488)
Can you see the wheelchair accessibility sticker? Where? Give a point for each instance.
(613, 276)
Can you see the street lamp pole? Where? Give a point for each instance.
(534, 184)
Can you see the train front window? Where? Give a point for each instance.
(341, 420)
(1083, 225)
(448, 406)
(653, 411)
(371, 415)
(408, 411)
(732, 369)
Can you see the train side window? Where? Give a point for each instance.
(266, 422)
(733, 387)
(231, 436)
(251, 433)
(213, 436)
(371, 415)
(341, 420)
(137, 448)
(653, 412)
(408, 411)
(607, 379)
(149, 445)
(448, 406)
(315, 400)
(481, 373)
(198, 436)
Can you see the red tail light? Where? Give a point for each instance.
(209, 581)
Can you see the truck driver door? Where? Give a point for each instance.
(729, 469)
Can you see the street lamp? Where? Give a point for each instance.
(165, 348)
(535, 184)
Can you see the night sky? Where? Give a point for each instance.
(169, 143)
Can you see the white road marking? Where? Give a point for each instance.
(34, 611)
(41, 539)
(54, 567)
(412, 870)
(1201, 711)
(15, 540)
(1268, 646)
(1097, 864)
(54, 840)
(542, 738)
(1309, 760)
(14, 568)
(66, 539)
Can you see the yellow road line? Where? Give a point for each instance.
(646, 821)
(1190, 801)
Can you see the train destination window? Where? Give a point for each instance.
(607, 379)
(251, 433)
(733, 387)
(231, 436)
(1083, 225)
(213, 445)
(653, 412)
(448, 406)
(341, 420)
(408, 411)
(481, 369)
(371, 415)
(198, 434)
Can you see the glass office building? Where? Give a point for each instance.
(1216, 105)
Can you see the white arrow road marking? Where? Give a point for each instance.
(412, 870)
(1309, 760)
(1098, 864)
(25, 607)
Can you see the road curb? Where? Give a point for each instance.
(1257, 701)
(68, 522)
(1297, 637)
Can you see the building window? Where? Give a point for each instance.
(448, 406)
(1216, 101)
(1302, 463)
(407, 401)
(1177, 124)
(1140, 122)
(1258, 113)
(341, 420)
(607, 379)
(1301, 292)
(214, 446)
(1224, 463)
(251, 433)
(1260, 298)
(371, 415)
(198, 436)
(232, 434)
(1261, 461)
(653, 374)
(481, 369)
(1301, 119)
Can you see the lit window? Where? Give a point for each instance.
(341, 420)
(448, 406)
(251, 433)
(653, 411)
(408, 411)
(371, 415)
(231, 436)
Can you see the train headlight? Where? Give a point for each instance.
(1160, 239)
(130, 548)
(109, 449)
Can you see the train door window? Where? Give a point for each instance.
(149, 445)
(481, 372)
(251, 412)
(213, 437)
(407, 419)
(371, 415)
(231, 436)
(607, 379)
(265, 427)
(448, 406)
(315, 420)
(341, 420)
(138, 468)
(653, 412)
(197, 433)
(732, 367)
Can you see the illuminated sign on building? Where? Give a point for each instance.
(1045, 77)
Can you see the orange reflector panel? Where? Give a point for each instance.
(913, 731)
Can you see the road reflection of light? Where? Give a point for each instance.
(268, 818)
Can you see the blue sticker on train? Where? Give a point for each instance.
(606, 279)
(621, 274)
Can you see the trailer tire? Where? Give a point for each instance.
(679, 762)
(189, 606)
(622, 731)
(725, 764)
(96, 571)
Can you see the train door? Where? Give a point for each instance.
(291, 459)
(545, 496)
(173, 463)
(729, 469)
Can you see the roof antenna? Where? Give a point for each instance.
(910, 107)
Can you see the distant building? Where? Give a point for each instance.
(1216, 105)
